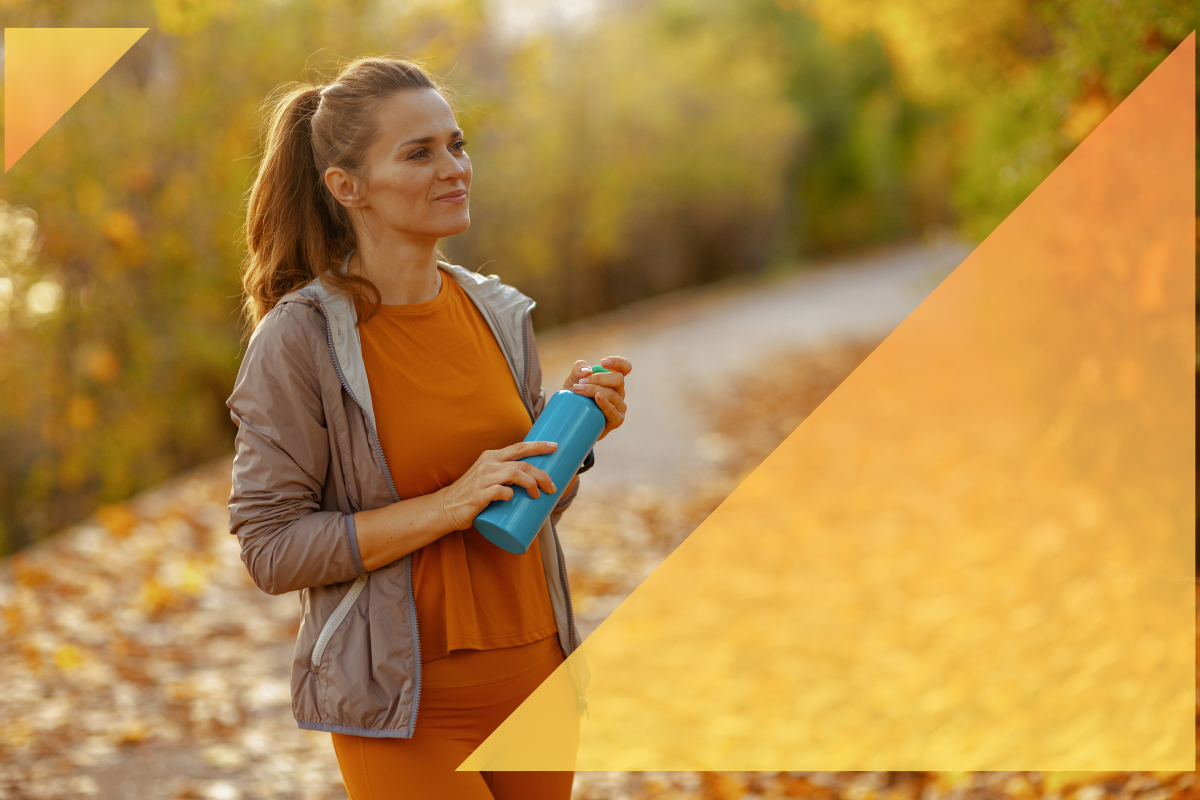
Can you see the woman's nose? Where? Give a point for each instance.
(453, 167)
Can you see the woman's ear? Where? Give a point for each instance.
(342, 186)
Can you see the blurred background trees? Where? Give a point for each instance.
(1026, 81)
(619, 152)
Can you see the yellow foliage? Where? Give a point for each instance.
(118, 519)
(953, 780)
(120, 227)
(67, 658)
(74, 469)
(181, 17)
(1055, 781)
(89, 197)
(606, 136)
(99, 363)
(130, 732)
(1085, 115)
(141, 178)
(154, 597)
(943, 48)
(193, 577)
(177, 196)
(81, 413)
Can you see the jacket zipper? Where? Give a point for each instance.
(562, 575)
(335, 620)
(395, 499)
(572, 636)
(525, 326)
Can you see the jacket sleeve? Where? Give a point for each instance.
(539, 403)
(281, 459)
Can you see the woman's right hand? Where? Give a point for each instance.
(486, 481)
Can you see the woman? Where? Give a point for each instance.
(381, 405)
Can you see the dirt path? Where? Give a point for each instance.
(689, 349)
(699, 340)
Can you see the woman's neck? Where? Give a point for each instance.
(404, 274)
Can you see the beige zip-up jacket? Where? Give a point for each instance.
(307, 458)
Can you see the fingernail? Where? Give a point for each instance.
(607, 362)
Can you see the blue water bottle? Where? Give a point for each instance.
(575, 422)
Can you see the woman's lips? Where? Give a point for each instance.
(454, 197)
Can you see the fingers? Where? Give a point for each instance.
(617, 364)
(612, 403)
(613, 415)
(497, 468)
(515, 475)
(582, 373)
(608, 390)
(613, 399)
(615, 395)
(524, 450)
(534, 480)
(498, 491)
(489, 479)
(579, 370)
(614, 380)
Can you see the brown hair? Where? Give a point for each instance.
(295, 229)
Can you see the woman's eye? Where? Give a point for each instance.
(460, 144)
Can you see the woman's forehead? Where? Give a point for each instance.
(416, 114)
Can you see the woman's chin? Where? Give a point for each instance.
(441, 226)
(455, 227)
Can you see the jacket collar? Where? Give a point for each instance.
(503, 307)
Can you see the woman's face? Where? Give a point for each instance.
(417, 174)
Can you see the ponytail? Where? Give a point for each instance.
(295, 229)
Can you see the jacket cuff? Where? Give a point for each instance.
(352, 536)
(588, 462)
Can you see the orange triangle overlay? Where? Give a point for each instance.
(46, 70)
(977, 553)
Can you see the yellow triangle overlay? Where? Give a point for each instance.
(977, 553)
(46, 70)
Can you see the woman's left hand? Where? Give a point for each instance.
(606, 388)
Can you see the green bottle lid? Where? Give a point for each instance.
(599, 368)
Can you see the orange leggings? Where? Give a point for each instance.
(464, 697)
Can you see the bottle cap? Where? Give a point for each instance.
(599, 368)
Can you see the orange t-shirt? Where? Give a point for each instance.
(443, 393)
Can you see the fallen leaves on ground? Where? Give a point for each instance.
(141, 661)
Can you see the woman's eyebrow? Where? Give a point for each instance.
(427, 139)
